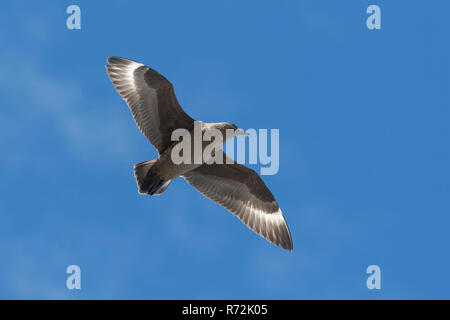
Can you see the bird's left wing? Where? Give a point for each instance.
(241, 191)
(151, 99)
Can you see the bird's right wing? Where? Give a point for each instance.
(240, 190)
(151, 99)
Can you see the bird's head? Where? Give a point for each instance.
(227, 129)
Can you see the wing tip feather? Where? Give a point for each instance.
(279, 230)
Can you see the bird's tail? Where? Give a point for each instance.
(149, 182)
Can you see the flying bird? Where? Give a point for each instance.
(156, 111)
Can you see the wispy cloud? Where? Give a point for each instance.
(37, 97)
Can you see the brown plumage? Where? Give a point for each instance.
(157, 113)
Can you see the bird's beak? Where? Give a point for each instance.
(240, 132)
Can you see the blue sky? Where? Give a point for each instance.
(363, 118)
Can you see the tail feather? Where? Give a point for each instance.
(148, 182)
(162, 188)
(140, 172)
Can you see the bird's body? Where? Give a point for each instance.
(156, 111)
(170, 170)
